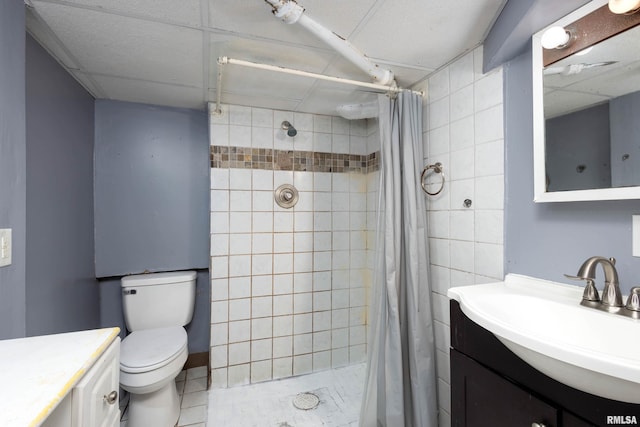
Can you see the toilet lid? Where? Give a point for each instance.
(151, 348)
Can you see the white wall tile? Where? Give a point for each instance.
(239, 265)
(282, 305)
(240, 179)
(239, 244)
(219, 357)
(282, 347)
(462, 255)
(302, 364)
(489, 260)
(261, 349)
(462, 225)
(461, 104)
(240, 222)
(490, 158)
(219, 311)
(262, 117)
(261, 371)
(219, 289)
(438, 85)
(239, 375)
(239, 115)
(262, 264)
(489, 192)
(239, 353)
(282, 367)
(239, 331)
(261, 328)
(282, 284)
(261, 306)
(302, 344)
(239, 287)
(282, 326)
(488, 91)
(302, 323)
(489, 125)
(239, 309)
(219, 334)
(262, 243)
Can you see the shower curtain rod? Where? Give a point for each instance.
(223, 60)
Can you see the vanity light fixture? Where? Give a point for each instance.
(624, 7)
(555, 38)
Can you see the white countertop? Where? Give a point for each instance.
(36, 373)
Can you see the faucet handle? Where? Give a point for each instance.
(633, 301)
(590, 292)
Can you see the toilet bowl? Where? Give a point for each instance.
(150, 360)
(156, 308)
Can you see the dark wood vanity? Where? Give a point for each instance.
(491, 386)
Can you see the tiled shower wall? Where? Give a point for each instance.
(288, 286)
(463, 129)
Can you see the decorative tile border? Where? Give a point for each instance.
(310, 161)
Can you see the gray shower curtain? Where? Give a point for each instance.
(400, 388)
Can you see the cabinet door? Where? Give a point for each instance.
(570, 420)
(95, 398)
(481, 398)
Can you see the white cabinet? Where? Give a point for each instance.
(61, 380)
(94, 400)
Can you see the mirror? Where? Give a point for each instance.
(586, 110)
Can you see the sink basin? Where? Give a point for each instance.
(543, 323)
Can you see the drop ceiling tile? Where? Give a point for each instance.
(254, 18)
(122, 46)
(272, 54)
(426, 33)
(326, 97)
(242, 80)
(256, 101)
(184, 11)
(152, 93)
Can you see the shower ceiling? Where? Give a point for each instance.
(164, 52)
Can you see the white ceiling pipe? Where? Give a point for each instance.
(291, 12)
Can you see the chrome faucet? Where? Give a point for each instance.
(611, 296)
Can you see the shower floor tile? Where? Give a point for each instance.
(270, 404)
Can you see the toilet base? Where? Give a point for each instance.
(159, 409)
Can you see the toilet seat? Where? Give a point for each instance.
(150, 349)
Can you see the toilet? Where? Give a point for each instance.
(156, 307)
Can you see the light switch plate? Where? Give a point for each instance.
(5, 247)
(635, 235)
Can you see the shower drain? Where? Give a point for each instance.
(306, 401)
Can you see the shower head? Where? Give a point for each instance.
(291, 131)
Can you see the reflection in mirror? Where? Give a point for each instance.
(591, 110)
(586, 105)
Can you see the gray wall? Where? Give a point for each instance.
(579, 138)
(625, 134)
(548, 239)
(61, 289)
(151, 188)
(12, 165)
(151, 202)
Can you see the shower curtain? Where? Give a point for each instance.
(400, 387)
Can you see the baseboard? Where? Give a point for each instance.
(197, 359)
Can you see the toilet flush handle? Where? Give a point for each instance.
(111, 397)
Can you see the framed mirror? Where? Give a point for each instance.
(586, 107)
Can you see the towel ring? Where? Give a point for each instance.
(437, 168)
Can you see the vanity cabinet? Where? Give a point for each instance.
(61, 380)
(491, 386)
(94, 399)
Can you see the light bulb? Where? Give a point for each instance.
(555, 38)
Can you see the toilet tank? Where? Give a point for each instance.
(158, 300)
